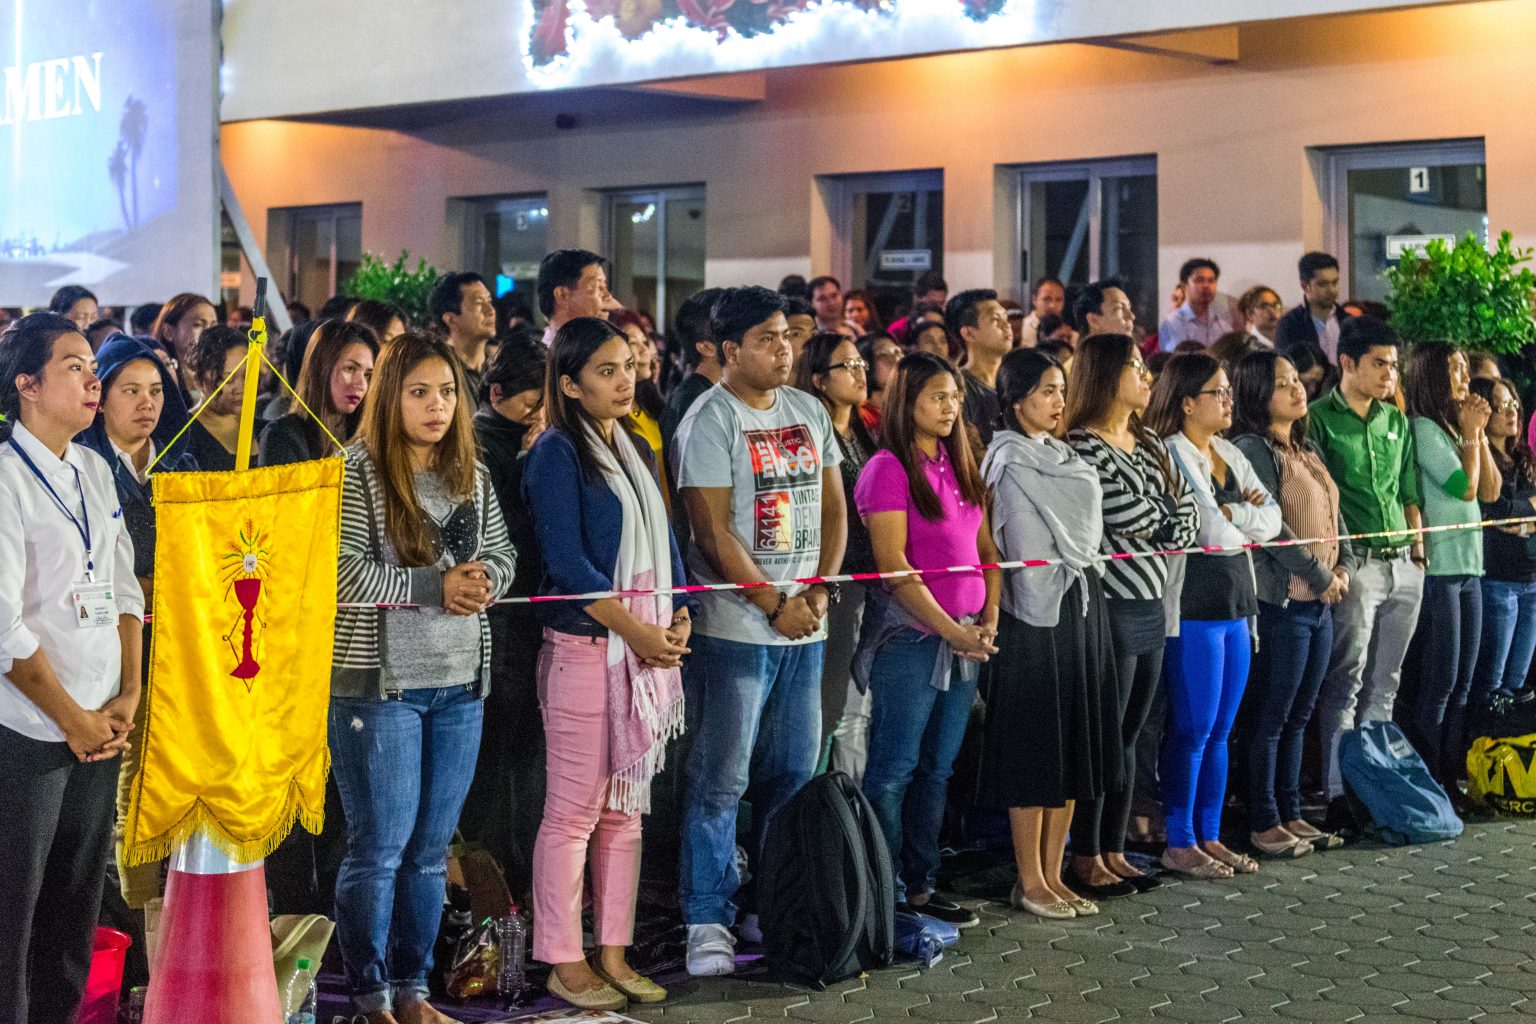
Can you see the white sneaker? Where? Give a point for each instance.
(751, 929)
(711, 950)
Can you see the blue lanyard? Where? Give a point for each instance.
(83, 528)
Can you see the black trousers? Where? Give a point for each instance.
(1099, 826)
(58, 817)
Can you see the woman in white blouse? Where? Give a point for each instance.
(1218, 607)
(70, 651)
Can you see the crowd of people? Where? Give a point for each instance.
(771, 435)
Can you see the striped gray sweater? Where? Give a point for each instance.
(364, 577)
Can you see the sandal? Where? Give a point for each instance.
(1296, 846)
(1210, 868)
(1239, 862)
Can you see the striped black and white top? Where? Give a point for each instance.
(366, 575)
(1146, 509)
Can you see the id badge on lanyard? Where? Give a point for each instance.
(93, 603)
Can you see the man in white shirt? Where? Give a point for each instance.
(1205, 315)
(827, 299)
(1050, 296)
(573, 283)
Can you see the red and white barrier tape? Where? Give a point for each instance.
(1027, 563)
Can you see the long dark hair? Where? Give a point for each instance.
(815, 361)
(1427, 384)
(900, 434)
(330, 340)
(415, 539)
(576, 342)
(1253, 388)
(1017, 378)
(1096, 370)
(26, 347)
(1183, 377)
(1519, 460)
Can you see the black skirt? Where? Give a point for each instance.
(1053, 717)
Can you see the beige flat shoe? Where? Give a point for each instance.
(639, 989)
(604, 997)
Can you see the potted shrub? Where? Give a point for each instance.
(1465, 294)
(394, 283)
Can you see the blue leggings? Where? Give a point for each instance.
(1202, 703)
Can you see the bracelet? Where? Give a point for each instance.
(774, 615)
(680, 617)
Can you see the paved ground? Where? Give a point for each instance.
(1439, 933)
(1364, 933)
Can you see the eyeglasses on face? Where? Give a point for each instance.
(1222, 394)
(1139, 366)
(852, 366)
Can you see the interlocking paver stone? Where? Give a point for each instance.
(1363, 934)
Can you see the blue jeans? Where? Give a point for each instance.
(1453, 612)
(754, 718)
(403, 767)
(915, 733)
(1295, 640)
(1509, 636)
(1203, 697)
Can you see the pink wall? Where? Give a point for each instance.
(1231, 143)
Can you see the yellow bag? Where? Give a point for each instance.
(1502, 774)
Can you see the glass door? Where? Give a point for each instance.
(315, 248)
(1386, 200)
(656, 245)
(889, 230)
(505, 238)
(1081, 222)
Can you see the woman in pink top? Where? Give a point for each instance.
(923, 637)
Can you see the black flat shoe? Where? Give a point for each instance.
(1100, 893)
(1143, 882)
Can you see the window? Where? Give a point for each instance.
(887, 229)
(1384, 200)
(1081, 222)
(656, 242)
(313, 249)
(505, 238)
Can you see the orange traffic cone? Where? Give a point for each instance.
(214, 961)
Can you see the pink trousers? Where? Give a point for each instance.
(577, 824)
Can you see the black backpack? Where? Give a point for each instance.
(825, 894)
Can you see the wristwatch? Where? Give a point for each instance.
(834, 591)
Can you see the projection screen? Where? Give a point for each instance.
(108, 138)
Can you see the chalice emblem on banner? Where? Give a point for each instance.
(244, 568)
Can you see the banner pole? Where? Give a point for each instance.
(214, 962)
(253, 365)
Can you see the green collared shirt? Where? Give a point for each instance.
(1372, 461)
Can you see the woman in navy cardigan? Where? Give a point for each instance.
(610, 689)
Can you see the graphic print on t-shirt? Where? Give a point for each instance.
(786, 479)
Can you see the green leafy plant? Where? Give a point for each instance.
(394, 283)
(1465, 294)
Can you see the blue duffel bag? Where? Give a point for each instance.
(1390, 788)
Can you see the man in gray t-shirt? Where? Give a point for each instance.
(756, 464)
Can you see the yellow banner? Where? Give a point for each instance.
(234, 738)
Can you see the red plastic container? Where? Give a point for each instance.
(105, 982)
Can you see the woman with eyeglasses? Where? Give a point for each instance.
(1218, 611)
(1147, 508)
(831, 368)
(1261, 309)
(1509, 552)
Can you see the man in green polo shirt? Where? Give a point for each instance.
(1368, 448)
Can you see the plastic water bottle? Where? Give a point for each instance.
(512, 944)
(301, 990)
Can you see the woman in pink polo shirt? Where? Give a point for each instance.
(923, 637)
